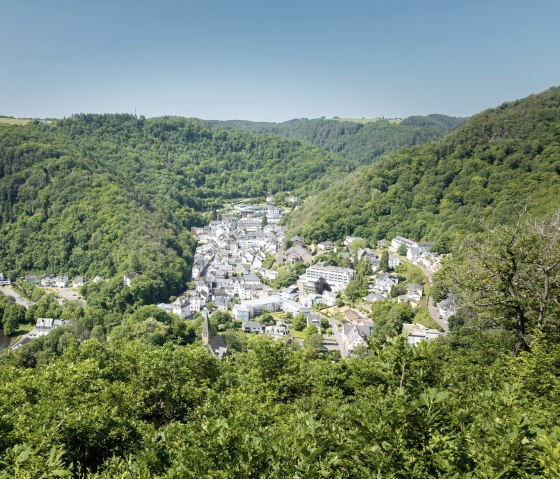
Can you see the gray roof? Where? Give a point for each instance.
(299, 251)
(252, 325)
(353, 330)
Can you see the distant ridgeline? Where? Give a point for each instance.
(498, 159)
(360, 142)
(109, 194)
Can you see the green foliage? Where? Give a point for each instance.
(299, 322)
(266, 319)
(314, 340)
(269, 261)
(509, 277)
(388, 318)
(289, 274)
(384, 261)
(357, 288)
(462, 407)
(310, 331)
(497, 159)
(13, 316)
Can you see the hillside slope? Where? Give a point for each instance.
(360, 142)
(500, 158)
(108, 194)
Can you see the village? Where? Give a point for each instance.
(238, 268)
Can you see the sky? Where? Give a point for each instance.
(274, 60)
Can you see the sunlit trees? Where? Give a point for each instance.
(509, 277)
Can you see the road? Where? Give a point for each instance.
(434, 313)
(69, 295)
(338, 337)
(426, 272)
(9, 291)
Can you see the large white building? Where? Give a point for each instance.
(335, 276)
(418, 247)
(255, 307)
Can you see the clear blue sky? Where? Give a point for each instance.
(274, 60)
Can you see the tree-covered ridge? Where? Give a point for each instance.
(109, 194)
(500, 158)
(360, 142)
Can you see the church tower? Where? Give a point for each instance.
(206, 331)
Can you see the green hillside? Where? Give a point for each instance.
(361, 142)
(502, 157)
(108, 194)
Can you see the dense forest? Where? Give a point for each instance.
(459, 407)
(109, 194)
(498, 159)
(360, 142)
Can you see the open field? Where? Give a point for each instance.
(14, 121)
(394, 121)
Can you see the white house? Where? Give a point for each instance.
(181, 307)
(128, 278)
(280, 329)
(311, 299)
(447, 307)
(314, 320)
(240, 312)
(415, 291)
(416, 333)
(255, 307)
(329, 298)
(384, 282)
(51, 281)
(354, 335)
(79, 281)
(45, 325)
(196, 302)
(420, 246)
(294, 308)
(252, 327)
(394, 261)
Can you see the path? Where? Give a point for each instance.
(338, 337)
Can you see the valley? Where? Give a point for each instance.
(314, 298)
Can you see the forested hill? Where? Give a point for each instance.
(500, 158)
(108, 194)
(360, 142)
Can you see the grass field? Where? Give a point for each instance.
(14, 121)
(297, 334)
(22, 330)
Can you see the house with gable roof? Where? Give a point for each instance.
(354, 336)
